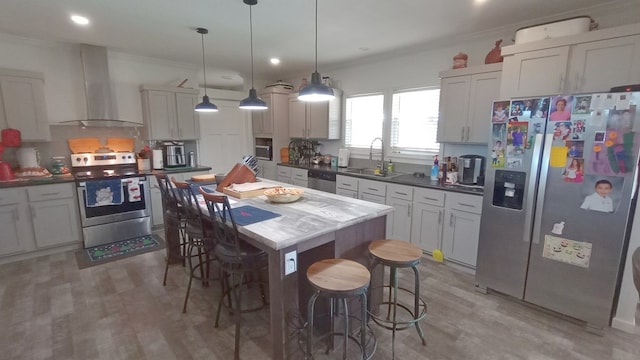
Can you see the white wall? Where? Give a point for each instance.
(419, 67)
(64, 83)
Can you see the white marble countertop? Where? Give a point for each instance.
(316, 213)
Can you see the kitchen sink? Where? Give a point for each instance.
(371, 173)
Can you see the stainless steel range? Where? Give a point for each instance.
(114, 199)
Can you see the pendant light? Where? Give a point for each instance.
(253, 102)
(316, 90)
(205, 105)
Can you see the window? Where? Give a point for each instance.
(363, 120)
(414, 121)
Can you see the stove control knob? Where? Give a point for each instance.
(123, 157)
(85, 159)
(78, 159)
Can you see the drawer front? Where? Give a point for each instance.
(300, 174)
(372, 187)
(400, 192)
(346, 182)
(13, 196)
(49, 192)
(284, 171)
(430, 196)
(462, 202)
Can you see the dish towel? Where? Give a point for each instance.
(104, 192)
(246, 215)
(133, 188)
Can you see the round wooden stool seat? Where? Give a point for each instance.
(395, 252)
(338, 276)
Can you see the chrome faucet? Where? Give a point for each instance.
(383, 169)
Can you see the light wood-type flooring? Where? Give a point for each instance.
(51, 310)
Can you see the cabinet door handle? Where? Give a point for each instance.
(409, 210)
(33, 212)
(451, 220)
(349, 185)
(439, 217)
(401, 193)
(466, 205)
(462, 134)
(372, 189)
(561, 83)
(16, 215)
(50, 194)
(430, 198)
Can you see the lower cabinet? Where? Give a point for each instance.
(293, 176)
(38, 217)
(54, 213)
(462, 228)
(14, 222)
(284, 174)
(399, 222)
(347, 186)
(427, 219)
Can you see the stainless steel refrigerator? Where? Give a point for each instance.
(559, 191)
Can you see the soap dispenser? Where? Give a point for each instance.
(435, 169)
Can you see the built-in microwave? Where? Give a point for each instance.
(263, 152)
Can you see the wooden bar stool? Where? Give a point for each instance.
(397, 254)
(339, 279)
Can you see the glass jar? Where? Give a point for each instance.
(58, 167)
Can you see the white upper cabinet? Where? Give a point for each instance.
(169, 113)
(601, 65)
(535, 73)
(315, 120)
(591, 62)
(465, 103)
(22, 104)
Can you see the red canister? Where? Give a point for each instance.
(10, 137)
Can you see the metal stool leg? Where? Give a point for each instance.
(416, 300)
(310, 306)
(363, 324)
(186, 298)
(394, 276)
(345, 338)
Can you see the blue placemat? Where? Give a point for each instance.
(246, 215)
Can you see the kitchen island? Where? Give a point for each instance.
(318, 226)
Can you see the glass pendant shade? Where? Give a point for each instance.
(253, 102)
(316, 90)
(206, 105)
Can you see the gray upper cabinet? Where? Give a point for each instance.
(465, 103)
(591, 62)
(315, 120)
(22, 104)
(169, 113)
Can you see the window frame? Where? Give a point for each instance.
(413, 157)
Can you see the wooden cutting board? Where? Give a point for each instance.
(239, 174)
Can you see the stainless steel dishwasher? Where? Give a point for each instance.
(322, 180)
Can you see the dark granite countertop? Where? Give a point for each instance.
(59, 179)
(178, 170)
(56, 179)
(404, 179)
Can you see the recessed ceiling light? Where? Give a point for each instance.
(274, 61)
(80, 20)
(480, 1)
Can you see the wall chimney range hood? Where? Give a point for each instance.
(101, 104)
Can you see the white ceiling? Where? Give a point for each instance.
(347, 29)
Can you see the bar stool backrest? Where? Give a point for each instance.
(224, 226)
(195, 218)
(169, 201)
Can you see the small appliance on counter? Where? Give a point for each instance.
(8, 138)
(174, 155)
(343, 158)
(157, 159)
(471, 169)
(28, 157)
